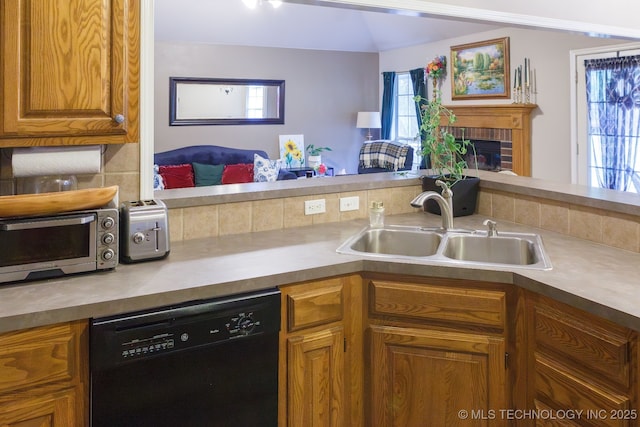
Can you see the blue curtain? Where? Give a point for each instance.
(613, 108)
(420, 89)
(388, 100)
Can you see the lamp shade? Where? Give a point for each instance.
(368, 120)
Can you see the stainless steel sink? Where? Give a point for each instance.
(394, 240)
(458, 247)
(497, 249)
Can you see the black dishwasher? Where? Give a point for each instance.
(199, 364)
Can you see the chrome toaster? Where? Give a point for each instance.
(144, 231)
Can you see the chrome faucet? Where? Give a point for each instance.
(492, 227)
(445, 202)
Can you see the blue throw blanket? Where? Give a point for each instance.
(383, 154)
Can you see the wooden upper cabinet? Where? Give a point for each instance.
(69, 72)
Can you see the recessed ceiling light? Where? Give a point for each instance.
(251, 4)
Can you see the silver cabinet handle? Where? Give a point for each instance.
(119, 118)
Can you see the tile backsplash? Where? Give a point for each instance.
(120, 166)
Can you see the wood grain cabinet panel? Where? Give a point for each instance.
(56, 409)
(308, 308)
(37, 357)
(321, 361)
(581, 362)
(599, 349)
(69, 72)
(424, 378)
(571, 391)
(430, 302)
(316, 379)
(44, 376)
(439, 348)
(549, 420)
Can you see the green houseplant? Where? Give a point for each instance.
(316, 151)
(315, 155)
(445, 152)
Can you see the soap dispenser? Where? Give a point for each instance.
(376, 215)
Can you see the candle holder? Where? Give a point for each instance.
(527, 95)
(517, 95)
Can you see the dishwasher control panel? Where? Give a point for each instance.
(150, 333)
(184, 336)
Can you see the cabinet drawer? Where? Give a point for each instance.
(552, 421)
(39, 356)
(431, 302)
(595, 348)
(564, 389)
(306, 308)
(47, 410)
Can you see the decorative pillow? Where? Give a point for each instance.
(265, 170)
(177, 176)
(158, 183)
(237, 174)
(207, 174)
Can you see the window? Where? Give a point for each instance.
(255, 102)
(607, 132)
(613, 132)
(405, 122)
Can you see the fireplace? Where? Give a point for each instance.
(486, 153)
(508, 124)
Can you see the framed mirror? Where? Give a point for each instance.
(207, 101)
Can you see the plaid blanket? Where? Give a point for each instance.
(383, 154)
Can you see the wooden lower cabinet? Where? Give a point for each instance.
(581, 366)
(321, 354)
(316, 378)
(433, 378)
(44, 376)
(387, 351)
(437, 353)
(57, 409)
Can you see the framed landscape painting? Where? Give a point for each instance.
(480, 70)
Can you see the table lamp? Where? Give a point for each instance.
(368, 120)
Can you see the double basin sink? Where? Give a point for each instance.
(457, 246)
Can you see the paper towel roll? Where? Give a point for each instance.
(41, 161)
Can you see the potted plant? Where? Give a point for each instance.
(445, 152)
(315, 157)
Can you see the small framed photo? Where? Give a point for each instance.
(480, 70)
(292, 151)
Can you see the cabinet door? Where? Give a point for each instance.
(69, 71)
(50, 410)
(429, 378)
(316, 379)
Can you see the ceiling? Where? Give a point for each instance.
(300, 26)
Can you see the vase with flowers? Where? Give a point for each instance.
(445, 152)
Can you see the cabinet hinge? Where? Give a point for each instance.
(344, 341)
(506, 361)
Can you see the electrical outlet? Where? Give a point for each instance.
(349, 203)
(312, 207)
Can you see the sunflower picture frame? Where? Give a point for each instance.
(292, 151)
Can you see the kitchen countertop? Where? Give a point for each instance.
(587, 275)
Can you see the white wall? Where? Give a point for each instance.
(618, 13)
(324, 90)
(549, 54)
